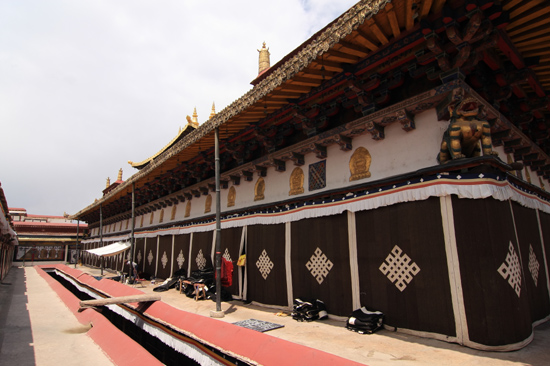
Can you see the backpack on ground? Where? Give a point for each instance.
(364, 321)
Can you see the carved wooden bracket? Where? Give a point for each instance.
(375, 130)
(262, 170)
(298, 159)
(235, 179)
(248, 175)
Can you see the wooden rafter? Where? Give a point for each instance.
(531, 15)
(533, 33)
(332, 66)
(342, 57)
(409, 20)
(363, 38)
(425, 8)
(353, 49)
(392, 17)
(301, 80)
(525, 7)
(377, 31)
(438, 6)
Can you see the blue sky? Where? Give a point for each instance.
(86, 86)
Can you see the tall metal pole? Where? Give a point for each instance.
(218, 227)
(101, 236)
(77, 254)
(131, 268)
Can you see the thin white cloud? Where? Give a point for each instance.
(88, 85)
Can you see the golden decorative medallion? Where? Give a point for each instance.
(231, 196)
(208, 204)
(296, 181)
(174, 209)
(188, 209)
(359, 164)
(259, 189)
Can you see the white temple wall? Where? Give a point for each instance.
(400, 152)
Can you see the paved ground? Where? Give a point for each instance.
(36, 328)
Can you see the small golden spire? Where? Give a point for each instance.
(264, 63)
(194, 122)
(213, 112)
(119, 174)
(195, 116)
(108, 182)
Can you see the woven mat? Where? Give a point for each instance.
(259, 325)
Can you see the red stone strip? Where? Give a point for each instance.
(239, 342)
(120, 348)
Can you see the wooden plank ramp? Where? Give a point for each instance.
(120, 300)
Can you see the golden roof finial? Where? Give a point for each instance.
(193, 122)
(108, 182)
(264, 63)
(119, 174)
(213, 112)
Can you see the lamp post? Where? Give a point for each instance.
(218, 313)
(77, 232)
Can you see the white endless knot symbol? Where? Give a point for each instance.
(180, 259)
(150, 257)
(164, 259)
(511, 269)
(399, 268)
(201, 260)
(226, 255)
(319, 265)
(534, 265)
(264, 264)
(139, 257)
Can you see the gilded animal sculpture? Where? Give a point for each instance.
(466, 132)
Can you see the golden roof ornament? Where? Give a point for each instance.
(119, 174)
(195, 116)
(108, 182)
(213, 112)
(264, 59)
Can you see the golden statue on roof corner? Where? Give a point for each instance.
(467, 129)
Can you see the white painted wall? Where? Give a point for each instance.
(400, 152)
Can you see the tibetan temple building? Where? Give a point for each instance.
(399, 160)
(45, 238)
(8, 237)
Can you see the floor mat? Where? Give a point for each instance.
(259, 325)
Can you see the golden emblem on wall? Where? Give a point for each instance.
(188, 209)
(173, 215)
(231, 196)
(359, 164)
(259, 189)
(296, 181)
(208, 204)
